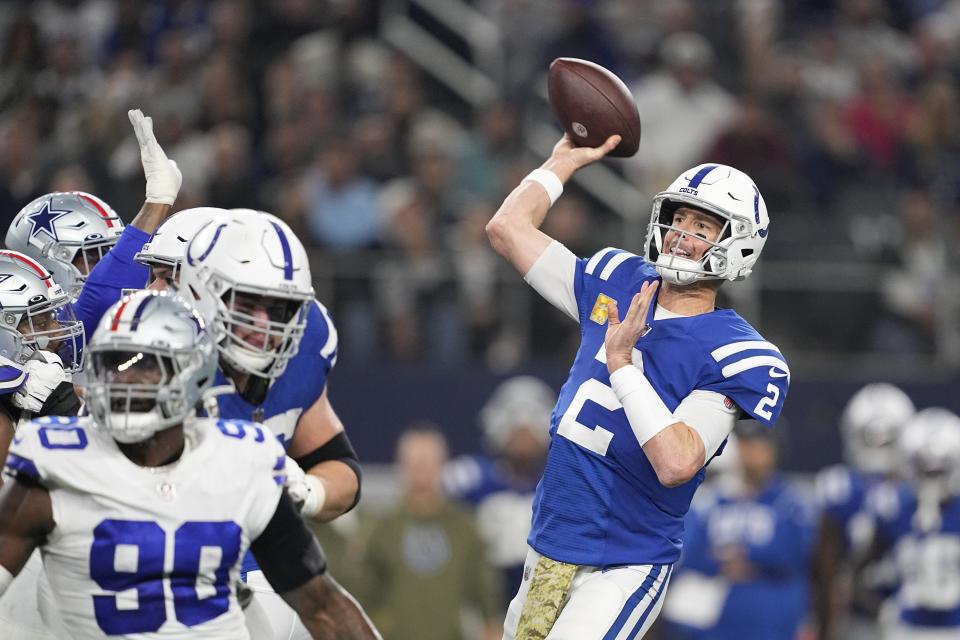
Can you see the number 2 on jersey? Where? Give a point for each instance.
(128, 555)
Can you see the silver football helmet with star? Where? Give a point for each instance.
(66, 232)
(730, 195)
(250, 277)
(36, 314)
(151, 360)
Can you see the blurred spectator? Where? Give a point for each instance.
(879, 114)
(913, 290)
(746, 556)
(682, 109)
(232, 182)
(425, 561)
(342, 208)
(516, 430)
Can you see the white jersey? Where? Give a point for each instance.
(143, 552)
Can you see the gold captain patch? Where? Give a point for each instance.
(600, 313)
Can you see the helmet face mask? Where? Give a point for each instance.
(66, 232)
(151, 360)
(730, 196)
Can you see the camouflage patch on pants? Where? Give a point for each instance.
(549, 587)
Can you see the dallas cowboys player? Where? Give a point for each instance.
(649, 400)
(144, 511)
(250, 276)
(871, 425)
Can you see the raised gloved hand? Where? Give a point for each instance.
(43, 376)
(163, 176)
(307, 490)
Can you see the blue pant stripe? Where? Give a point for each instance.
(635, 598)
(653, 604)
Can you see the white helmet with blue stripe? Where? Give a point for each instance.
(150, 361)
(930, 454)
(871, 425)
(168, 244)
(250, 277)
(726, 193)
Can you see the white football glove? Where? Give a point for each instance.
(307, 490)
(43, 376)
(163, 176)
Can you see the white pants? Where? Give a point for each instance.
(615, 604)
(268, 617)
(20, 606)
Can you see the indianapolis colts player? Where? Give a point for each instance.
(919, 523)
(249, 276)
(144, 511)
(164, 252)
(649, 400)
(871, 425)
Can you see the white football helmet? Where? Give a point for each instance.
(241, 256)
(168, 244)
(871, 426)
(63, 229)
(36, 314)
(730, 195)
(150, 362)
(519, 402)
(930, 450)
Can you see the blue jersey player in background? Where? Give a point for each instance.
(871, 426)
(649, 400)
(744, 573)
(918, 522)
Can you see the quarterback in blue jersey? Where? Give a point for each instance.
(919, 523)
(649, 400)
(871, 426)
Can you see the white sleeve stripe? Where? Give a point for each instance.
(736, 347)
(595, 260)
(16, 382)
(752, 363)
(552, 277)
(330, 346)
(615, 262)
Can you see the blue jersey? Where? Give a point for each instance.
(842, 492)
(599, 502)
(927, 561)
(775, 532)
(116, 271)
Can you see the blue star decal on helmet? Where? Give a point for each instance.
(43, 220)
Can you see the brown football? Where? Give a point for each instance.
(592, 104)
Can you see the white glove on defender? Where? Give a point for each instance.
(43, 376)
(306, 490)
(163, 176)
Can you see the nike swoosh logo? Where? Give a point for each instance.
(776, 373)
(734, 197)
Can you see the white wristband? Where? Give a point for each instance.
(646, 412)
(316, 498)
(548, 180)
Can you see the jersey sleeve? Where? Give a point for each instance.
(114, 273)
(754, 375)
(836, 494)
(12, 376)
(23, 457)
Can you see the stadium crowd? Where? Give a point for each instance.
(846, 112)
